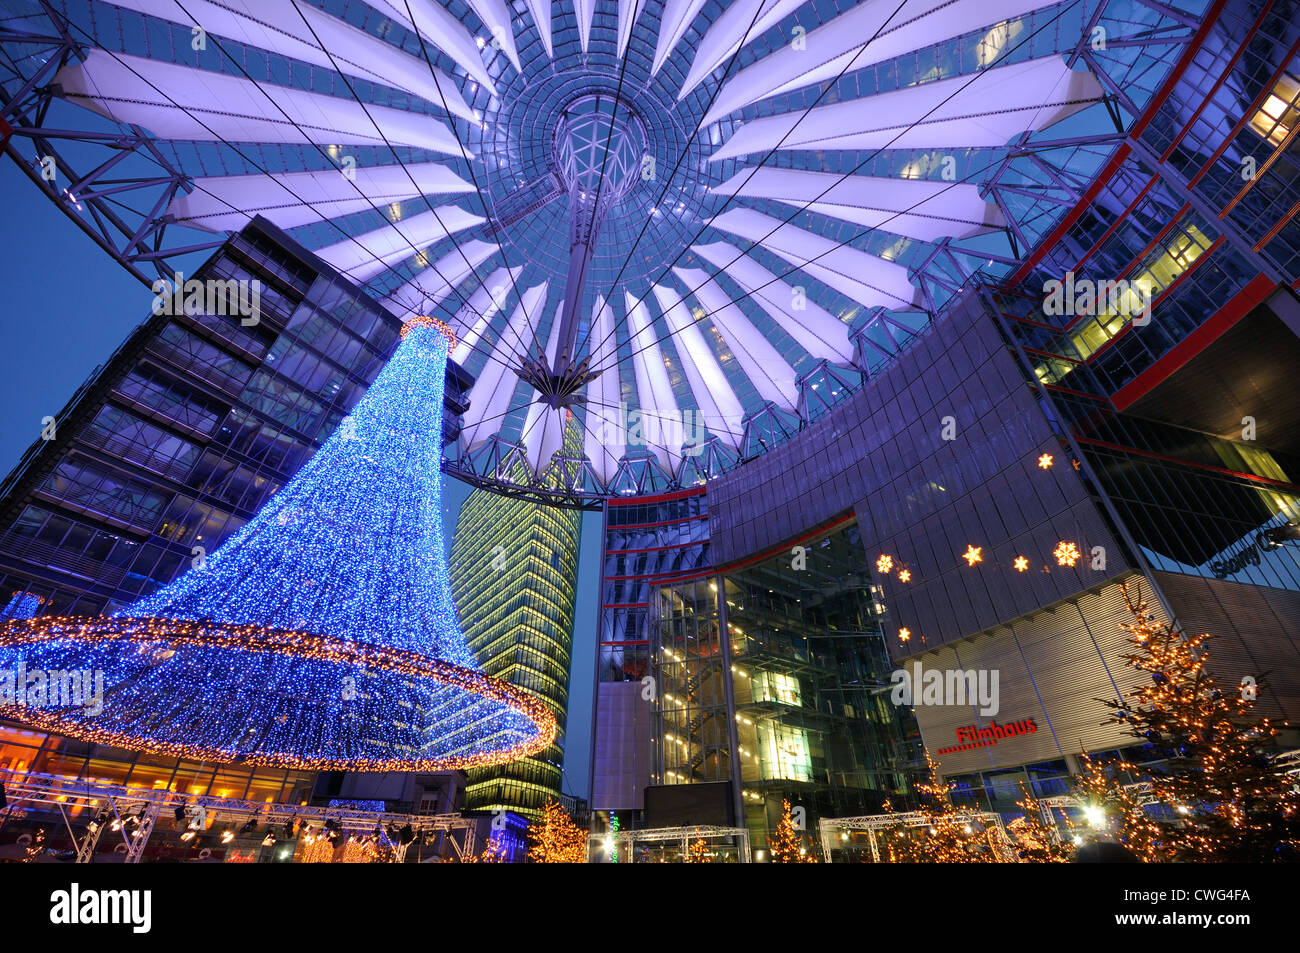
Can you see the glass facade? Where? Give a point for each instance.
(1182, 417)
(810, 677)
(514, 567)
(769, 675)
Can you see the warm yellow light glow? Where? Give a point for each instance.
(1067, 554)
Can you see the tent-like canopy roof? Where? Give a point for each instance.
(815, 178)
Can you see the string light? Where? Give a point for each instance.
(1229, 798)
(322, 635)
(948, 835)
(785, 843)
(555, 839)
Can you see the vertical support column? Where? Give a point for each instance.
(733, 741)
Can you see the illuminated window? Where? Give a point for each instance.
(1280, 111)
(784, 754)
(1120, 302)
(774, 686)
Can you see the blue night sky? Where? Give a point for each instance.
(68, 306)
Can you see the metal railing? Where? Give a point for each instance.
(131, 813)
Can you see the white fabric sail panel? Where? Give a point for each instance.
(769, 372)
(740, 23)
(583, 11)
(984, 109)
(660, 417)
(496, 17)
(423, 293)
(180, 102)
(489, 397)
(719, 407)
(866, 34)
(289, 199)
(543, 433)
(818, 331)
(372, 253)
(307, 33)
(436, 25)
(541, 13)
(917, 208)
(628, 11)
(676, 19)
(864, 278)
(477, 313)
(604, 440)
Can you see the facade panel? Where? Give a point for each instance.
(514, 567)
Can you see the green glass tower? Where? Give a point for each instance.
(514, 567)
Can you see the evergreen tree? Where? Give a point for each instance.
(1103, 791)
(1231, 801)
(698, 852)
(949, 834)
(1035, 840)
(786, 844)
(494, 852)
(555, 839)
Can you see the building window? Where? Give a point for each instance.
(1280, 111)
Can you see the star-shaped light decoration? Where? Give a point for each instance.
(1067, 554)
(904, 634)
(1045, 462)
(973, 555)
(904, 575)
(884, 563)
(1021, 564)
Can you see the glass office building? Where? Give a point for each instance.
(514, 569)
(725, 690)
(178, 439)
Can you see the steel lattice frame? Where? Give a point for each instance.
(122, 203)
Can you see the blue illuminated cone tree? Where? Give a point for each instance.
(323, 634)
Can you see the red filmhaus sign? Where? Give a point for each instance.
(973, 736)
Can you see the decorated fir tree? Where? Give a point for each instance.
(902, 845)
(786, 844)
(1114, 805)
(698, 853)
(494, 852)
(1231, 801)
(555, 839)
(947, 835)
(1034, 839)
